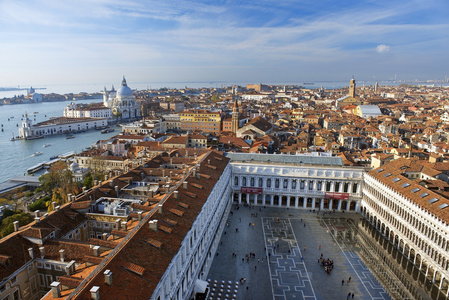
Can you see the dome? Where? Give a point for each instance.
(74, 166)
(124, 90)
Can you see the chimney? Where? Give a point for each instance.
(117, 224)
(95, 182)
(184, 185)
(58, 207)
(105, 177)
(53, 204)
(36, 214)
(95, 293)
(31, 252)
(105, 236)
(208, 161)
(116, 191)
(45, 215)
(96, 251)
(153, 225)
(124, 226)
(42, 251)
(111, 183)
(70, 268)
(151, 172)
(171, 161)
(176, 193)
(84, 189)
(163, 173)
(159, 206)
(167, 188)
(139, 215)
(16, 225)
(171, 174)
(108, 277)
(196, 157)
(198, 175)
(73, 197)
(187, 153)
(150, 193)
(61, 255)
(55, 289)
(194, 173)
(69, 197)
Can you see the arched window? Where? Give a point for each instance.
(268, 182)
(236, 180)
(244, 181)
(252, 183)
(285, 183)
(276, 183)
(260, 182)
(294, 184)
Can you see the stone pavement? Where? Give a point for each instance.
(276, 252)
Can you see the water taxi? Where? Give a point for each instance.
(69, 137)
(37, 153)
(47, 145)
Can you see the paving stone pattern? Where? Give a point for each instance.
(286, 246)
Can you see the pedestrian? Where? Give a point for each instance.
(304, 224)
(247, 287)
(342, 282)
(349, 296)
(240, 219)
(255, 268)
(349, 280)
(302, 258)
(319, 247)
(249, 224)
(304, 248)
(352, 295)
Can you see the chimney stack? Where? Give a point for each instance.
(116, 191)
(42, 251)
(96, 251)
(105, 236)
(176, 193)
(31, 252)
(61, 255)
(167, 188)
(184, 185)
(58, 207)
(153, 225)
(36, 214)
(159, 206)
(16, 225)
(124, 226)
(108, 277)
(55, 289)
(69, 197)
(194, 173)
(95, 293)
(139, 216)
(54, 205)
(117, 224)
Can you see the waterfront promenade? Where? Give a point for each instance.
(287, 246)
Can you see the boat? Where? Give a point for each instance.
(36, 112)
(106, 130)
(47, 145)
(37, 153)
(35, 168)
(54, 157)
(69, 137)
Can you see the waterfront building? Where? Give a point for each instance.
(145, 126)
(94, 110)
(406, 201)
(60, 125)
(122, 102)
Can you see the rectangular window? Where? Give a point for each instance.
(41, 280)
(49, 279)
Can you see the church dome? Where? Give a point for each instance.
(74, 166)
(124, 90)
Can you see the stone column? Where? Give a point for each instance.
(240, 198)
(313, 203)
(296, 201)
(304, 204)
(321, 203)
(330, 204)
(339, 205)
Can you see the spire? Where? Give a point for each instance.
(124, 81)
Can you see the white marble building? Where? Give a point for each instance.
(296, 181)
(122, 102)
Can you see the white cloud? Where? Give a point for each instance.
(382, 48)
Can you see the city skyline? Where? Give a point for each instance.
(51, 42)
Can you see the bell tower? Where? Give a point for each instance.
(235, 113)
(352, 88)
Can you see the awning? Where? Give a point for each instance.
(201, 286)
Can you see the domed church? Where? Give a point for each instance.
(122, 102)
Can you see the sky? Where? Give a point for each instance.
(96, 41)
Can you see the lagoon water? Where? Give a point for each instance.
(17, 156)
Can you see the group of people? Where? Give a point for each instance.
(327, 264)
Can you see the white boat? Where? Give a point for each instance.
(47, 145)
(37, 153)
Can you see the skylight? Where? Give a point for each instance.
(424, 195)
(415, 190)
(405, 185)
(396, 179)
(433, 200)
(388, 174)
(443, 206)
(379, 170)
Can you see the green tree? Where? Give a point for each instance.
(7, 226)
(40, 204)
(215, 98)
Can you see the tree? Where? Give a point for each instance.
(215, 98)
(7, 226)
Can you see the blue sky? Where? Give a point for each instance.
(90, 41)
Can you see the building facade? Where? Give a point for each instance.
(122, 102)
(200, 120)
